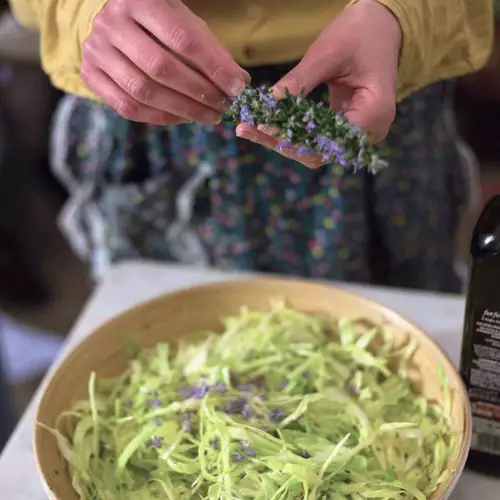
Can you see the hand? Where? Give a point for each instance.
(154, 61)
(357, 57)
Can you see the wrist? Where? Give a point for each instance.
(392, 25)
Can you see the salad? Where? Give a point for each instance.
(282, 406)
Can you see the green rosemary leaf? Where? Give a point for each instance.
(307, 128)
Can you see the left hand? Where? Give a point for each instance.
(357, 57)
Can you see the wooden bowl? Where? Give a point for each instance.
(200, 308)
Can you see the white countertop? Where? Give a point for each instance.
(128, 284)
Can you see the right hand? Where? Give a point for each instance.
(154, 61)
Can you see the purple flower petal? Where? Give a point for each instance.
(351, 389)
(275, 415)
(155, 442)
(311, 125)
(246, 115)
(186, 392)
(284, 146)
(304, 151)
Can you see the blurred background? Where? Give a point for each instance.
(43, 286)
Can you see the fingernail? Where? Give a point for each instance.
(217, 120)
(278, 93)
(237, 87)
(225, 103)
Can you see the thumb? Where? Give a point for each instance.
(310, 72)
(372, 111)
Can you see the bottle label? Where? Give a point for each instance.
(486, 436)
(484, 382)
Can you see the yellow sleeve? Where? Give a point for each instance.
(63, 27)
(441, 39)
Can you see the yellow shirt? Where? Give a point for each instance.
(441, 38)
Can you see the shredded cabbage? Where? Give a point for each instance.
(282, 406)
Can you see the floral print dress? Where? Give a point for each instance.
(199, 195)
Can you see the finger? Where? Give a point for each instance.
(183, 33)
(123, 104)
(311, 71)
(250, 133)
(302, 154)
(145, 90)
(165, 68)
(339, 97)
(372, 111)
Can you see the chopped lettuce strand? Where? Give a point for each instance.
(281, 406)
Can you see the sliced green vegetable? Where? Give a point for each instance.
(281, 406)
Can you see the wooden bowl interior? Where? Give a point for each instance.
(200, 308)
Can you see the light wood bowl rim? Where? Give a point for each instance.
(416, 331)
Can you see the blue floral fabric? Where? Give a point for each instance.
(200, 195)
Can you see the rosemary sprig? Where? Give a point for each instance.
(307, 128)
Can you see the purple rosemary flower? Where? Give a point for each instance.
(304, 151)
(276, 415)
(330, 149)
(214, 443)
(237, 457)
(306, 374)
(156, 403)
(284, 146)
(236, 405)
(200, 390)
(351, 389)
(310, 126)
(283, 384)
(186, 392)
(157, 421)
(247, 115)
(267, 98)
(249, 452)
(155, 442)
(187, 425)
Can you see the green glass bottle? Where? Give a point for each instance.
(480, 358)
